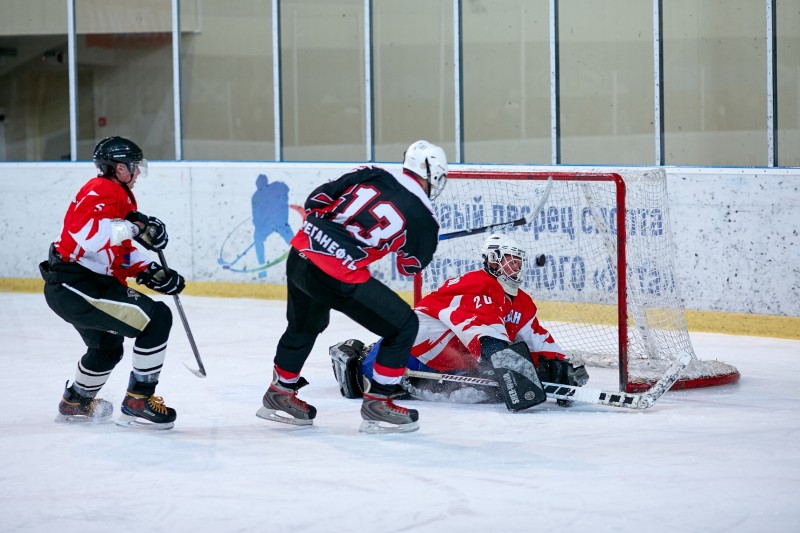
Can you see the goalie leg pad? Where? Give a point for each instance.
(430, 390)
(519, 382)
(346, 360)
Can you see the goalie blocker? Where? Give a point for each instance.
(518, 381)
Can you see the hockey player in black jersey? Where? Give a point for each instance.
(350, 223)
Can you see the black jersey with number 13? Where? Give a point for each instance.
(357, 219)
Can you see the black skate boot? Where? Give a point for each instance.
(75, 407)
(281, 403)
(142, 409)
(381, 415)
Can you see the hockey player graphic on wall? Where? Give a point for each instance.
(270, 216)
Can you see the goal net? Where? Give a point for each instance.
(607, 289)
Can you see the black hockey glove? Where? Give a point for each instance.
(577, 375)
(562, 372)
(159, 279)
(154, 235)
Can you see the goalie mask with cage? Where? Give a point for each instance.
(428, 162)
(504, 259)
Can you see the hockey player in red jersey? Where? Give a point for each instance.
(85, 284)
(350, 223)
(464, 322)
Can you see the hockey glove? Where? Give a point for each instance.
(562, 372)
(159, 279)
(153, 236)
(577, 375)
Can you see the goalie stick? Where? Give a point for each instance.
(201, 371)
(504, 225)
(556, 391)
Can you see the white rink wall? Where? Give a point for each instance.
(737, 230)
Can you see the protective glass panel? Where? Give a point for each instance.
(414, 94)
(226, 80)
(34, 82)
(124, 56)
(788, 94)
(506, 81)
(606, 62)
(715, 83)
(322, 62)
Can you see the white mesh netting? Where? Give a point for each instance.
(577, 288)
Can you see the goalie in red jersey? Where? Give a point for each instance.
(479, 324)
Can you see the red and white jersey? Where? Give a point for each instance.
(86, 235)
(454, 317)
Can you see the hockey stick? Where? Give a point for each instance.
(505, 225)
(201, 372)
(556, 391)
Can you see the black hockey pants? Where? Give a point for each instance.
(312, 294)
(103, 311)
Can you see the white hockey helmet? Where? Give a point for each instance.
(504, 259)
(428, 162)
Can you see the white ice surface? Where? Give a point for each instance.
(719, 459)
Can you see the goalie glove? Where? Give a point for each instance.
(562, 372)
(577, 375)
(576, 371)
(152, 232)
(159, 279)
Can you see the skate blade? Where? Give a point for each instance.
(80, 419)
(280, 416)
(136, 422)
(375, 426)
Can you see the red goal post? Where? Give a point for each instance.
(607, 290)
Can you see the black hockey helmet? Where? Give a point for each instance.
(113, 150)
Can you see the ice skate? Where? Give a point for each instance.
(380, 413)
(141, 408)
(76, 408)
(281, 404)
(148, 412)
